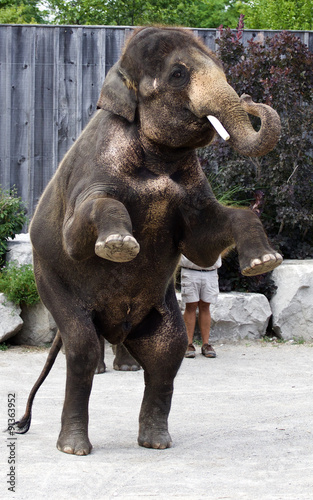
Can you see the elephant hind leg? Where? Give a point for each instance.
(123, 360)
(82, 350)
(160, 350)
(23, 425)
(101, 368)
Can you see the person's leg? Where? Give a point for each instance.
(204, 321)
(205, 325)
(190, 292)
(190, 319)
(190, 322)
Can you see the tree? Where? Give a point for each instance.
(278, 15)
(193, 13)
(18, 12)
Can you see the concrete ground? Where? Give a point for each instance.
(241, 426)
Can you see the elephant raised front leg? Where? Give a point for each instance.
(100, 226)
(256, 256)
(226, 227)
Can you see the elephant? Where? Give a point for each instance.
(123, 360)
(126, 201)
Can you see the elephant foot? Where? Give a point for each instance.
(123, 360)
(266, 263)
(75, 444)
(117, 248)
(151, 438)
(133, 367)
(101, 368)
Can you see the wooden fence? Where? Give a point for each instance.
(50, 79)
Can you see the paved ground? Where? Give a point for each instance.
(241, 426)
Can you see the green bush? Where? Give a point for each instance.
(18, 284)
(12, 218)
(278, 72)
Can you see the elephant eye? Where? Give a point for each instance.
(177, 73)
(179, 76)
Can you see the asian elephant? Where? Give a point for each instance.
(128, 198)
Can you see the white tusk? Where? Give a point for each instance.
(219, 127)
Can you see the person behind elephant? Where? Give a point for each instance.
(199, 289)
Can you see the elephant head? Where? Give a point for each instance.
(170, 83)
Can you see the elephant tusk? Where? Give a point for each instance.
(218, 127)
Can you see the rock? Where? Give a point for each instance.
(238, 316)
(235, 316)
(292, 304)
(39, 327)
(20, 249)
(11, 322)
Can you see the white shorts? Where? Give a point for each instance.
(199, 285)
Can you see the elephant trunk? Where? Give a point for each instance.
(225, 105)
(243, 137)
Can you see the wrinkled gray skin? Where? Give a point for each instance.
(126, 201)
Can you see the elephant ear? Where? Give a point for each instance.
(118, 94)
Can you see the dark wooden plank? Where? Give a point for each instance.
(102, 57)
(67, 92)
(22, 106)
(44, 111)
(56, 88)
(208, 37)
(5, 100)
(115, 40)
(91, 77)
(310, 40)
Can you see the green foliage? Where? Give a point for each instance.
(278, 15)
(193, 13)
(19, 12)
(228, 197)
(3, 346)
(12, 218)
(260, 14)
(18, 284)
(278, 72)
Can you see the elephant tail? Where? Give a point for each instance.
(23, 425)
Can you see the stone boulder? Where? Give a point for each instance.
(11, 322)
(292, 304)
(39, 327)
(238, 316)
(20, 249)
